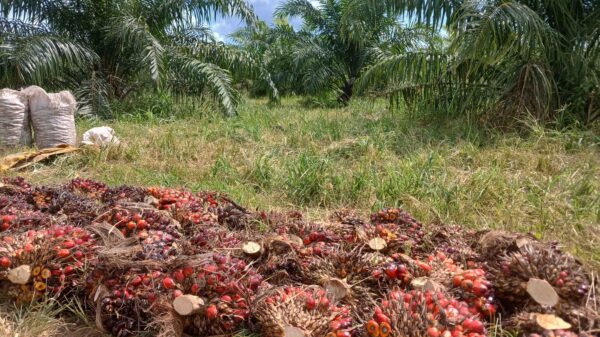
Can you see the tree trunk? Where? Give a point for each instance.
(347, 92)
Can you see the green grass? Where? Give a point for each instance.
(363, 157)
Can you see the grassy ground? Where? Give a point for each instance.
(363, 157)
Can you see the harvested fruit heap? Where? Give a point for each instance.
(177, 263)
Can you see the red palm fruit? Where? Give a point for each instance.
(5, 262)
(311, 303)
(62, 253)
(467, 284)
(131, 225)
(479, 289)
(212, 312)
(392, 271)
(433, 332)
(373, 328)
(384, 329)
(78, 255)
(177, 293)
(168, 283)
(424, 266)
(188, 271)
(343, 334)
(136, 217)
(136, 281)
(477, 327)
(195, 288)
(457, 280)
(381, 318)
(28, 248)
(68, 244)
(141, 224)
(68, 270)
(178, 275)
(324, 302)
(331, 334)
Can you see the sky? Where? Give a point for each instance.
(263, 8)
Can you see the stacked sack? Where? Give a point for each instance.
(15, 129)
(52, 116)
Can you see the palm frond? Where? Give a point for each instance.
(201, 74)
(38, 58)
(303, 9)
(130, 32)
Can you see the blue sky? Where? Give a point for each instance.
(264, 9)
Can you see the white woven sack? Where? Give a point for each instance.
(52, 116)
(15, 129)
(100, 136)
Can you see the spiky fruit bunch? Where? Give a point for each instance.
(56, 259)
(560, 270)
(473, 287)
(207, 238)
(61, 201)
(301, 311)
(423, 313)
(124, 193)
(346, 276)
(401, 231)
(93, 189)
(452, 240)
(233, 216)
(228, 285)
(19, 182)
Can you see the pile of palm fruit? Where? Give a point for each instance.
(176, 263)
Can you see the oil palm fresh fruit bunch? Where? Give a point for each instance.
(422, 313)
(300, 311)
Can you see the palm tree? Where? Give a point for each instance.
(506, 59)
(337, 42)
(108, 49)
(271, 47)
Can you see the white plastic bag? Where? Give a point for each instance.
(15, 129)
(52, 116)
(101, 136)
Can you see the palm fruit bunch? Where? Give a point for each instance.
(127, 299)
(226, 283)
(157, 232)
(401, 270)
(401, 232)
(560, 270)
(112, 196)
(451, 240)
(233, 216)
(190, 209)
(47, 262)
(61, 201)
(346, 276)
(417, 313)
(545, 280)
(301, 311)
(90, 188)
(208, 238)
(473, 286)
(17, 214)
